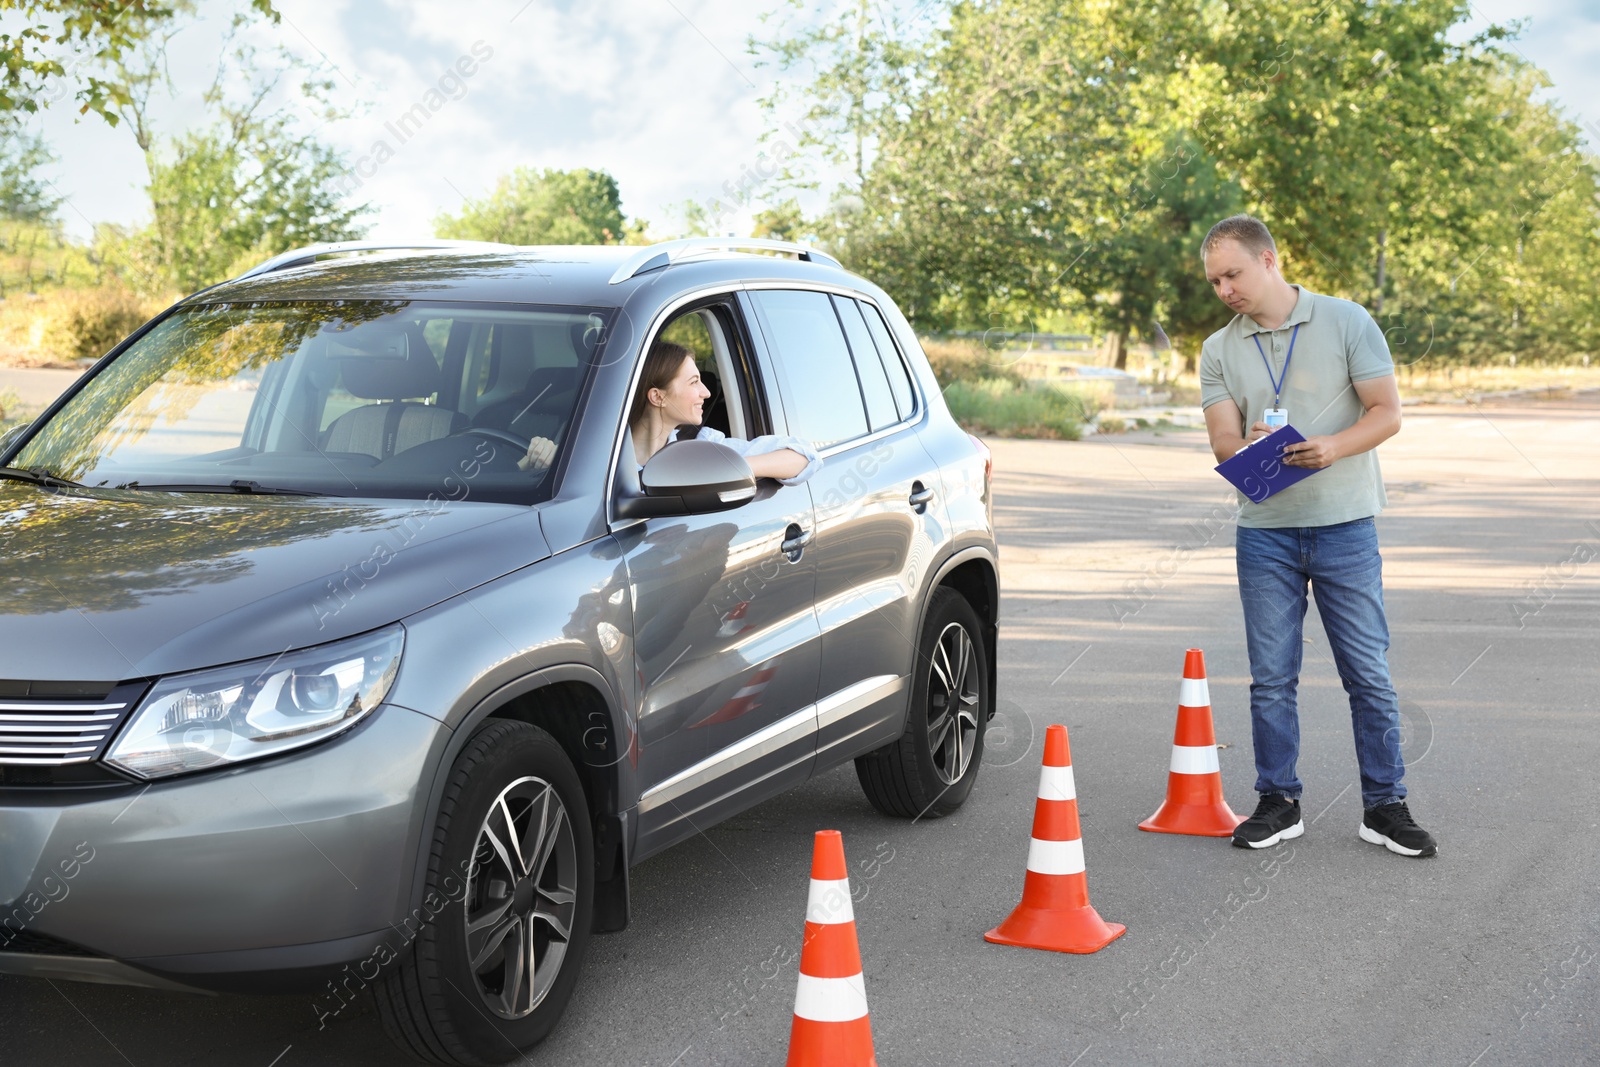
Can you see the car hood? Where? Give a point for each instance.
(107, 586)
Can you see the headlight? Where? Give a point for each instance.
(210, 718)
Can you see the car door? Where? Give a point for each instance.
(878, 511)
(727, 643)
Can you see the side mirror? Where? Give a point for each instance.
(691, 478)
(9, 436)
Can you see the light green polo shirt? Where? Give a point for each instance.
(1339, 344)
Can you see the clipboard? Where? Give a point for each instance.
(1258, 470)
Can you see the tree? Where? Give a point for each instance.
(785, 222)
(24, 195)
(253, 184)
(542, 207)
(63, 44)
(1031, 157)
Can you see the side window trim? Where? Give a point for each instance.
(866, 361)
(893, 360)
(738, 334)
(861, 391)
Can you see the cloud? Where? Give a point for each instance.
(663, 98)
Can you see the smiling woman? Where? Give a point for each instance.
(400, 399)
(670, 406)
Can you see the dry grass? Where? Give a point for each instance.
(64, 326)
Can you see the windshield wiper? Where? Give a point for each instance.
(39, 476)
(237, 486)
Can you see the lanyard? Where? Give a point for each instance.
(1277, 383)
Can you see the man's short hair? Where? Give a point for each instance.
(1249, 231)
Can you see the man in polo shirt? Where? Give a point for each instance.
(1322, 365)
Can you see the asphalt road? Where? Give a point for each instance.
(1336, 953)
(35, 387)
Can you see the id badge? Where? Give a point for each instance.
(1276, 418)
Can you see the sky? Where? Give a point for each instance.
(663, 94)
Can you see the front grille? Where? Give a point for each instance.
(55, 725)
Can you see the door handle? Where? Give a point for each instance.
(794, 541)
(920, 495)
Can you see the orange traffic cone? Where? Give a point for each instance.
(831, 1027)
(1055, 912)
(1194, 803)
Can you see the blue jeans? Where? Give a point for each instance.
(1342, 565)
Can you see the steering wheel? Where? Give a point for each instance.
(504, 436)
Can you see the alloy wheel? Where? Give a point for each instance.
(953, 699)
(521, 897)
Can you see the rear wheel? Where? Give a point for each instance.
(508, 905)
(930, 770)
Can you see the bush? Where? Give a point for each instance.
(969, 361)
(67, 325)
(1009, 409)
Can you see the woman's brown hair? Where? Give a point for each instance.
(660, 367)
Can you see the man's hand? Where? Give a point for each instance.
(1314, 453)
(541, 451)
(1258, 431)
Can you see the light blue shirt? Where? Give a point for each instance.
(1337, 345)
(763, 445)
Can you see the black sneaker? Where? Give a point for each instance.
(1393, 827)
(1276, 819)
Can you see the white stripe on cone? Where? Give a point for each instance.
(1055, 857)
(1055, 783)
(829, 902)
(831, 1000)
(1194, 694)
(1195, 759)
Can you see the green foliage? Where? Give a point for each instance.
(61, 44)
(37, 255)
(232, 196)
(995, 406)
(1031, 157)
(542, 207)
(782, 223)
(24, 195)
(253, 183)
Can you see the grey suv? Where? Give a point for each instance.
(310, 680)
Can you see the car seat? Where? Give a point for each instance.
(715, 411)
(393, 366)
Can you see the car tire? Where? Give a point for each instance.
(929, 771)
(435, 1004)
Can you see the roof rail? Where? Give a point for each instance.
(299, 257)
(667, 253)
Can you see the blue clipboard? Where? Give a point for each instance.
(1258, 470)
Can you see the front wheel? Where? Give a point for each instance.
(930, 770)
(508, 906)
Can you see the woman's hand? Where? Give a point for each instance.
(541, 452)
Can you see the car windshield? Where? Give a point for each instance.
(408, 399)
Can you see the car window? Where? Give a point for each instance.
(343, 398)
(822, 395)
(893, 365)
(881, 409)
(711, 338)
